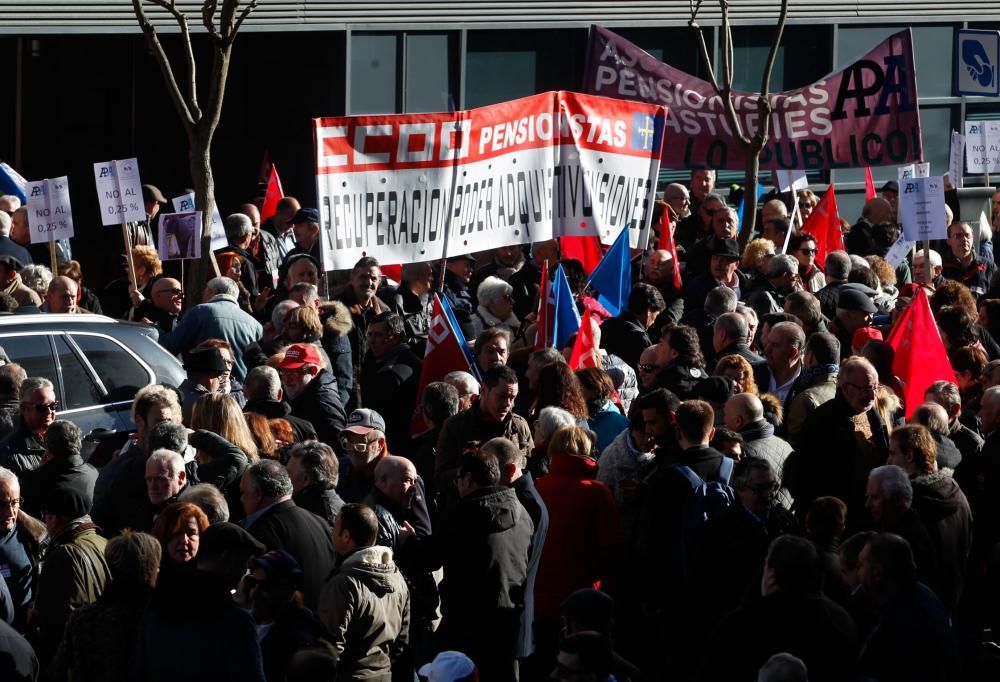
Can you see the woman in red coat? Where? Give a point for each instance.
(583, 546)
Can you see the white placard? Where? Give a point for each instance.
(914, 170)
(921, 208)
(185, 203)
(119, 191)
(982, 147)
(956, 159)
(180, 235)
(897, 252)
(792, 180)
(50, 215)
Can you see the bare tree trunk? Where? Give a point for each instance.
(222, 21)
(751, 144)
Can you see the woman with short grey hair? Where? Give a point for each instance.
(496, 307)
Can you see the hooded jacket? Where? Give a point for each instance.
(486, 549)
(943, 508)
(319, 404)
(583, 546)
(366, 607)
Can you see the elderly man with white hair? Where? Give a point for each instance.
(8, 247)
(496, 307)
(466, 385)
(239, 235)
(936, 266)
(219, 317)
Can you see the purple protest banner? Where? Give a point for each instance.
(864, 114)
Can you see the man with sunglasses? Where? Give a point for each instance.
(699, 224)
(363, 440)
(22, 450)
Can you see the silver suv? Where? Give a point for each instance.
(95, 363)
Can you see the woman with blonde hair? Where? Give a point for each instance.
(756, 256)
(807, 202)
(740, 371)
(224, 446)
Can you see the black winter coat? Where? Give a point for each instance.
(21, 451)
(486, 549)
(303, 535)
(625, 337)
(321, 499)
(64, 474)
(945, 512)
(319, 404)
(389, 386)
(224, 468)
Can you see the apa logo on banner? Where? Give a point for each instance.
(185, 204)
(119, 191)
(982, 147)
(410, 188)
(864, 114)
(921, 208)
(50, 215)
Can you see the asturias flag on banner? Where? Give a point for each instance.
(273, 194)
(824, 225)
(566, 318)
(921, 358)
(613, 277)
(446, 352)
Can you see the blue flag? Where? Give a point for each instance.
(567, 317)
(12, 183)
(739, 209)
(456, 329)
(613, 275)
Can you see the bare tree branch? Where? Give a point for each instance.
(192, 95)
(764, 102)
(243, 15)
(227, 18)
(176, 94)
(208, 19)
(706, 60)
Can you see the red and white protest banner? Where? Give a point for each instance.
(418, 187)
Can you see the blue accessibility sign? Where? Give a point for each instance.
(977, 59)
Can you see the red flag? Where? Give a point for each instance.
(443, 354)
(666, 243)
(824, 225)
(543, 320)
(585, 352)
(869, 184)
(393, 272)
(587, 250)
(921, 358)
(273, 194)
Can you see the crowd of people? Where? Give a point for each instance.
(734, 493)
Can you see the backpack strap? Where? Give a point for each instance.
(726, 470)
(689, 475)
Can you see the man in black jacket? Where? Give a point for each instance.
(277, 522)
(627, 335)
(487, 548)
(313, 469)
(412, 300)
(729, 337)
(63, 468)
(22, 449)
(389, 378)
(312, 391)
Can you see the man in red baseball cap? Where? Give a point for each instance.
(312, 391)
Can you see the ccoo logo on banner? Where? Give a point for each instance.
(418, 187)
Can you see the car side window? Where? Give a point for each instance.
(121, 373)
(34, 353)
(81, 389)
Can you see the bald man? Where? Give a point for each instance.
(678, 199)
(744, 414)
(61, 296)
(264, 252)
(164, 305)
(869, 236)
(400, 503)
